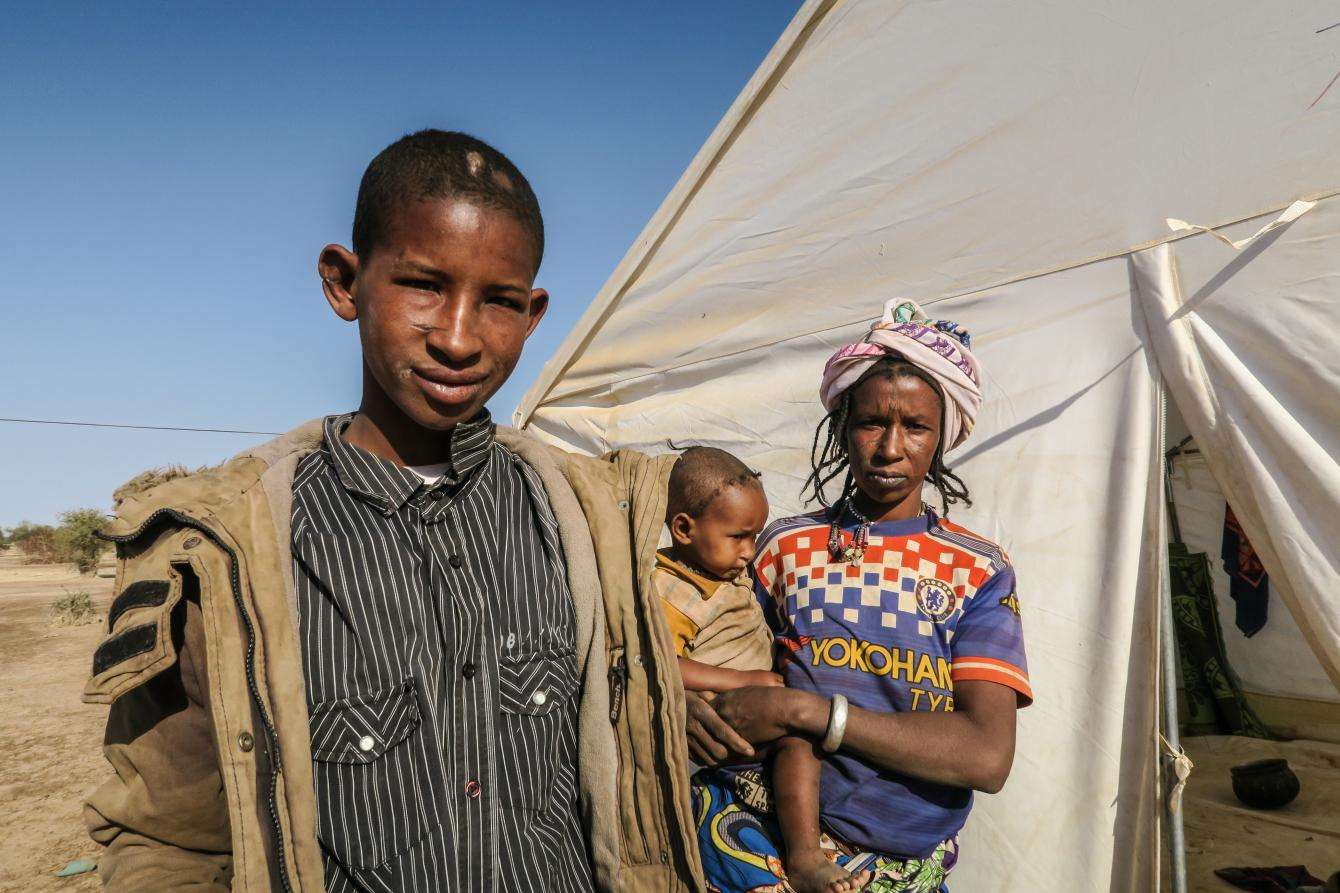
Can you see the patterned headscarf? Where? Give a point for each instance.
(938, 347)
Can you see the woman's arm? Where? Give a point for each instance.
(971, 747)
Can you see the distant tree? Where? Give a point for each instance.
(38, 541)
(76, 538)
(22, 531)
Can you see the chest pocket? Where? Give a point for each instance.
(536, 699)
(375, 796)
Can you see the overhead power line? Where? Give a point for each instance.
(134, 427)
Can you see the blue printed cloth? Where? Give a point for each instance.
(739, 843)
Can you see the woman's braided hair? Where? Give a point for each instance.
(831, 459)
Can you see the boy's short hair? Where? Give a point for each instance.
(442, 164)
(700, 475)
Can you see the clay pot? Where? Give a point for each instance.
(1265, 784)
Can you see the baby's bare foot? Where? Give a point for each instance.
(813, 872)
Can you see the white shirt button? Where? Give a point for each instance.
(366, 743)
(539, 697)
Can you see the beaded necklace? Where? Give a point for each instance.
(854, 552)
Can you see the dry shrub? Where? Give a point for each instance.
(37, 542)
(73, 609)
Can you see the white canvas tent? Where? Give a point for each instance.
(1011, 167)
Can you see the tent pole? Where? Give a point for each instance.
(1177, 841)
(1168, 662)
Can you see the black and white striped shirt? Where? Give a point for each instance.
(437, 640)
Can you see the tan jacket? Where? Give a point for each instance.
(208, 726)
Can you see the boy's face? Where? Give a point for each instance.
(721, 540)
(444, 304)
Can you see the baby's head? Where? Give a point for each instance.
(717, 508)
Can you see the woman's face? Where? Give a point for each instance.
(892, 433)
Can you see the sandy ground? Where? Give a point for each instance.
(1222, 832)
(50, 753)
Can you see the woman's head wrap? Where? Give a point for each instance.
(938, 347)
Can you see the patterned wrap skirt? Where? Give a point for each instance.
(740, 843)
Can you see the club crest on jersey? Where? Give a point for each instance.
(1011, 601)
(936, 599)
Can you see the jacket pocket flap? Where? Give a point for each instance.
(140, 594)
(538, 683)
(139, 644)
(362, 728)
(124, 645)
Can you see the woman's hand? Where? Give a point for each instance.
(712, 741)
(763, 714)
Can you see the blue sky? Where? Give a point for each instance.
(168, 173)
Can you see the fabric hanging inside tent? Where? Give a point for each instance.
(1249, 584)
(1215, 704)
(1212, 700)
(1282, 680)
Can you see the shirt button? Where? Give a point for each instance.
(366, 743)
(468, 670)
(473, 789)
(539, 697)
(455, 561)
(436, 495)
(245, 741)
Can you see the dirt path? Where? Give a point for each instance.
(50, 755)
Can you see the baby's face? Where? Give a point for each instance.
(721, 540)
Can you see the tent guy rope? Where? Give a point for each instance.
(134, 427)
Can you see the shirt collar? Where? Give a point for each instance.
(389, 486)
(926, 521)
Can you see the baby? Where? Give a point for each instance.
(716, 510)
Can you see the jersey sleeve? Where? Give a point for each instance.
(988, 643)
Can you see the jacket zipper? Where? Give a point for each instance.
(271, 736)
(618, 680)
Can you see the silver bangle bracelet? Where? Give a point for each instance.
(837, 724)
